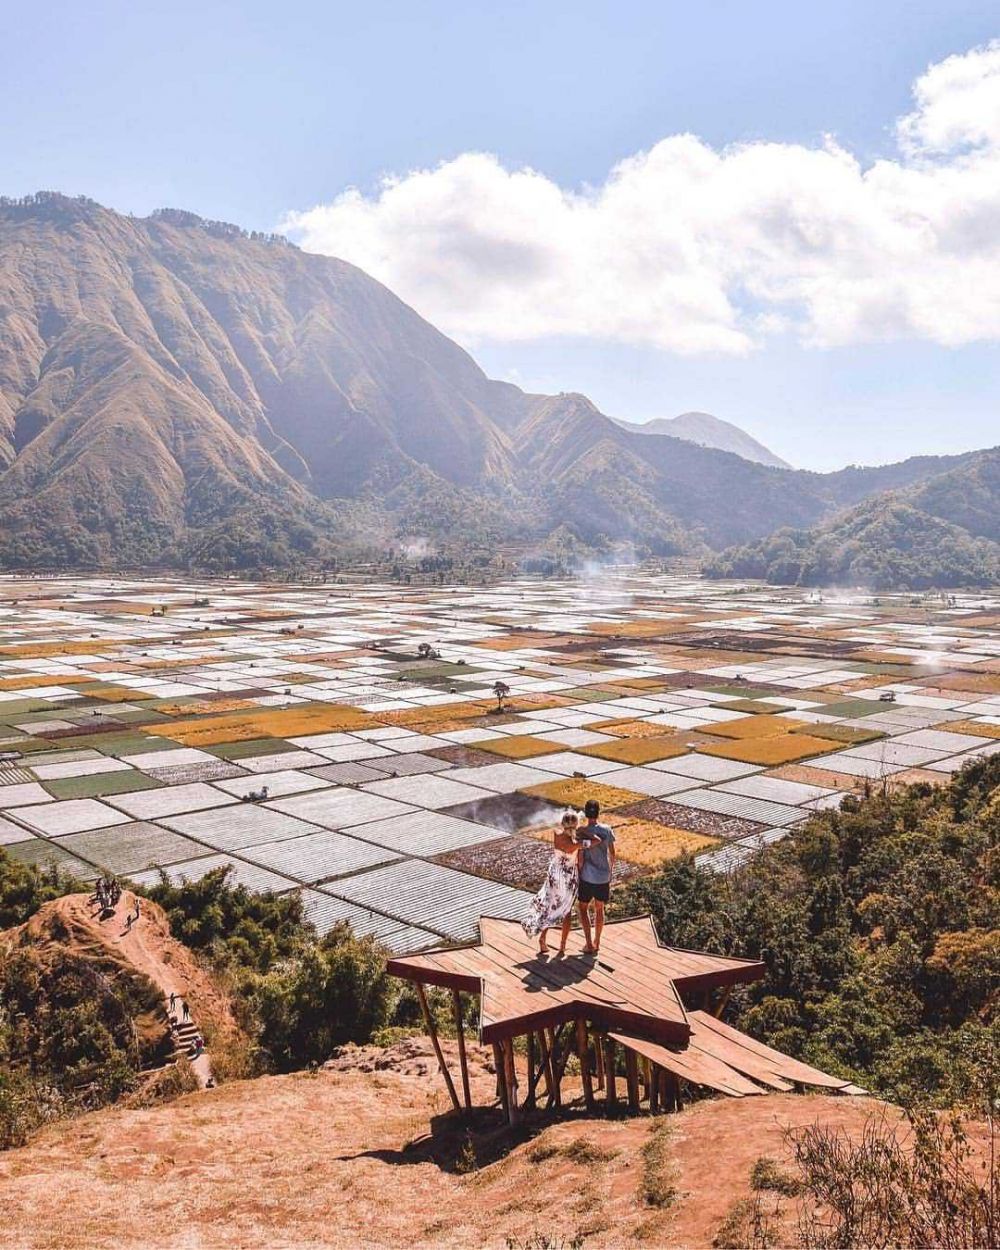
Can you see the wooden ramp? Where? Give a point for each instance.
(723, 1059)
(757, 1061)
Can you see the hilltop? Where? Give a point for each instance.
(343, 1158)
(178, 392)
(708, 431)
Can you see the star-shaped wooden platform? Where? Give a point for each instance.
(633, 985)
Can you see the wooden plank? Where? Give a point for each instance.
(632, 1079)
(610, 1089)
(693, 1066)
(501, 1071)
(712, 1033)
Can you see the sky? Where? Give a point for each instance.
(785, 214)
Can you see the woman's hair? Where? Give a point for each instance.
(570, 815)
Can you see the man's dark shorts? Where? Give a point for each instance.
(590, 893)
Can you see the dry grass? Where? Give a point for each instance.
(754, 727)
(637, 750)
(293, 722)
(782, 749)
(971, 727)
(576, 791)
(521, 747)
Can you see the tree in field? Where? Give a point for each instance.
(502, 691)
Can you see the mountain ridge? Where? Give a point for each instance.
(709, 431)
(177, 391)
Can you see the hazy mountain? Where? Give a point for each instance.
(942, 533)
(708, 431)
(177, 391)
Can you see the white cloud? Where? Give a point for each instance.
(692, 249)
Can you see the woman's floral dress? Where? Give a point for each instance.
(555, 899)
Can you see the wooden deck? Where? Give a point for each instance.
(633, 985)
(632, 995)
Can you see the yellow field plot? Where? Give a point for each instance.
(38, 650)
(637, 750)
(117, 694)
(753, 727)
(971, 727)
(641, 683)
(634, 629)
(34, 683)
(881, 657)
(292, 722)
(781, 749)
(627, 728)
(575, 791)
(445, 716)
(649, 843)
(205, 707)
(810, 776)
(511, 643)
(521, 747)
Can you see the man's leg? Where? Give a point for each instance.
(585, 921)
(598, 922)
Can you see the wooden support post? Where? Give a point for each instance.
(529, 1097)
(583, 1053)
(610, 1093)
(632, 1079)
(654, 1089)
(720, 1006)
(555, 1098)
(456, 999)
(599, 1055)
(666, 1103)
(432, 1030)
(501, 1067)
(546, 1065)
(511, 1074)
(645, 1077)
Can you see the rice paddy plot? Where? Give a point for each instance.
(427, 895)
(238, 826)
(326, 911)
(130, 848)
(319, 856)
(41, 853)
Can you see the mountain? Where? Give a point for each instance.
(708, 431)
(943, 533)
(179, 392)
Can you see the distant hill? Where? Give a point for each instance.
(942, 533)
(708, 431)
(179, 392)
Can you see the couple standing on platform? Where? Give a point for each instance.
(581, 867)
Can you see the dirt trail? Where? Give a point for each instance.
(145, 946)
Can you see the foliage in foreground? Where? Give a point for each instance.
(879, 926)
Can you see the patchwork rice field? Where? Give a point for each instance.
(303, 737)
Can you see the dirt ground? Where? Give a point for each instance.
(360, 1155)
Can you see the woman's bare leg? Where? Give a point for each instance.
(566, 926)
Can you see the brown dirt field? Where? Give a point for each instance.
(345, 1158)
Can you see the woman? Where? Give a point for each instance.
(553, 904)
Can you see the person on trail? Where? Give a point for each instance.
(596, 868)
(185, 1010)
(173, 1000)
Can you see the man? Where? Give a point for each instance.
(597, 863)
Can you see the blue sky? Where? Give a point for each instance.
(249, 112)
